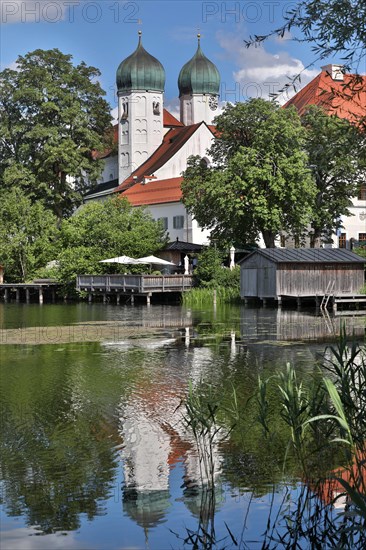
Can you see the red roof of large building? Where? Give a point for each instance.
(344, 96)
(169, 121)
(173, 140)
(155, 192)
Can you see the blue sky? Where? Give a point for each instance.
(103, 32)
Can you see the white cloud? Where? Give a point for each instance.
(35, 11)
(173, 106)
(14, 539)
(259, 72)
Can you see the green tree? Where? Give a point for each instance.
(259, 182)
(28, 235)
(105, 229)
(337, 159)
(52, 118)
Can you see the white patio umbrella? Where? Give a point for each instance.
(119, 260)
(153, 260)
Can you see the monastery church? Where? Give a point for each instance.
(153, 146)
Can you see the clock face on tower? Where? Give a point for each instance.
(213, 103)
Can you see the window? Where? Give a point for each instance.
(124, 110)
(362, 193)
(163, 222)
(178, 222)
(362, 239)
(342, 241)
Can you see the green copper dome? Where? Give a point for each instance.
(140, 71)
(199, 75)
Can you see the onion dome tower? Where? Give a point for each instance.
(140, 87)
(199, 84)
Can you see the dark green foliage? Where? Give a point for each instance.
(28, 236)
(213, 277)
(259, 183)
(52, 117)
(102, 230)
(338, 160)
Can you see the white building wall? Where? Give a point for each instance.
(198, 144)
(197, 108)
(110, 170)
(190, 232)
(354, 224)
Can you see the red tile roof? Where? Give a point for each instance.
(155, 192)
(173, 140)
(170, 121)
(345, 98)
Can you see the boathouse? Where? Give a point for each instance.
(279, 273)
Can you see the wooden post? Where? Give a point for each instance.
(17, 295)
(298, 301)
(279, 301)
(104, 298)
(132, 299)
(90, 298)
(148, 297)
(246, 301)
(264, 301)
(6, 295)
(40, 295)
(118, 297)
(27, 297)
(53, 294)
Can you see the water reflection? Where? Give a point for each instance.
(83, 422)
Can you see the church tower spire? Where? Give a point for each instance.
(140, 83)
(199, 84)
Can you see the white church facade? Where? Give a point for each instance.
(154, 146)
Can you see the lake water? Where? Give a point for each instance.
(94, 453)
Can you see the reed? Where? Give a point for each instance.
(338, 400)
(325, 421)
(205, 296)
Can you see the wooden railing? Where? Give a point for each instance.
(137, 283)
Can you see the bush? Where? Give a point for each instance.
(211, 273)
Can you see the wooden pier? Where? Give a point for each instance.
(25, 291)
(338, 302)
(347, 300)
(116, 286)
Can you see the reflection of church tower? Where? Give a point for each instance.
(199, 83)
(140, 84)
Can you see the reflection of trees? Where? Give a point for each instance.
(58, 435)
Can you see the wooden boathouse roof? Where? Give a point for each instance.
(307, 255)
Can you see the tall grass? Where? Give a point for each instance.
(335, 411)
(205, 296)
